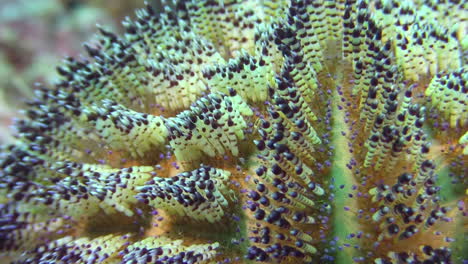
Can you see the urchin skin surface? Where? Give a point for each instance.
(249, 131)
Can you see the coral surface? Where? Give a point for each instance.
(288, 131)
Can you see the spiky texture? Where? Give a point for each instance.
(270, 131)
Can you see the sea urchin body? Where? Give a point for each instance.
(249, 131)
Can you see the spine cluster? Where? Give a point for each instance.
(248, 131)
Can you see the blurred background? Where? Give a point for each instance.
(36, 35)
